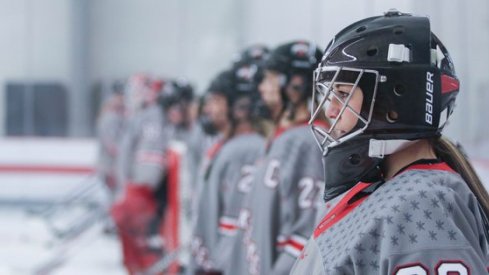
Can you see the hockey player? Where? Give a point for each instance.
(176, 101)
(110, 126)
(175, 198)
(279, 210)
(219, 211)
(200, 142)
(401, 198)
(143, 167)
(214, 121)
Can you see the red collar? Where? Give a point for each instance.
(441, 166)
(341, 209)
(212, 152)
(280, 130)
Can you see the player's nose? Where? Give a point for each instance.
(333, 109)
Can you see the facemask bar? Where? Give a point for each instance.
(324, 92)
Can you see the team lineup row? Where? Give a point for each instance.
(300, 161)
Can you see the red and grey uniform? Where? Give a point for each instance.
(142, 167)
(198, 143)
(233, 191)
(425, 220)
(148, 165)
(110, 127)
(278, 214)
(200, 238)
(219, 209)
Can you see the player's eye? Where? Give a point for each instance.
(341, 94)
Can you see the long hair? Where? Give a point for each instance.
(455, 157)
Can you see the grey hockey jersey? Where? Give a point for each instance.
(198, 143)
(142, 159)
(232, 192)
(199, 251)
(217, 196)
(423, 221)
(278, 214)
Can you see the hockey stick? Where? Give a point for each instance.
(162, 264)
(80, 191)
(71, 217)
(67, 250)
(78, 226)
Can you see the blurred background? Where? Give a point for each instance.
(59, 58)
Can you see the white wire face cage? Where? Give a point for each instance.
(326, 79)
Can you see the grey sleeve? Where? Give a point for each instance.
(208, 212)
(215, 183)
(302, 178)
(126, 152)
(149, 159)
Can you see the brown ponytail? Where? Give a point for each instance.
(453, 155)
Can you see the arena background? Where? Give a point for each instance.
(58, 59)
(84, 45)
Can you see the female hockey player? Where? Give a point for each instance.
(222, 196)
(279, 207)
(400, 198)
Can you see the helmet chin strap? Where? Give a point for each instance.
(380, 148)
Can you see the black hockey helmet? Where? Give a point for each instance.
(175, 92)
(247, 75)
(409, 88)
(295, 58)
(248, 69)
(221, 85)
(238, 81)
(251, 57)
(256, 53)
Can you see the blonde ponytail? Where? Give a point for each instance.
(458, 161)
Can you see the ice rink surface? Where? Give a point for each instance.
(38, 239)
(33, 242)
(36, 174)
(28, 247)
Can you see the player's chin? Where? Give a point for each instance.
(338, 133)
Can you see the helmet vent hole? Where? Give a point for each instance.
(361, 29)
(372, 51)
(392, 116)
(398, 30)
(355, 159)
(399, 90)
